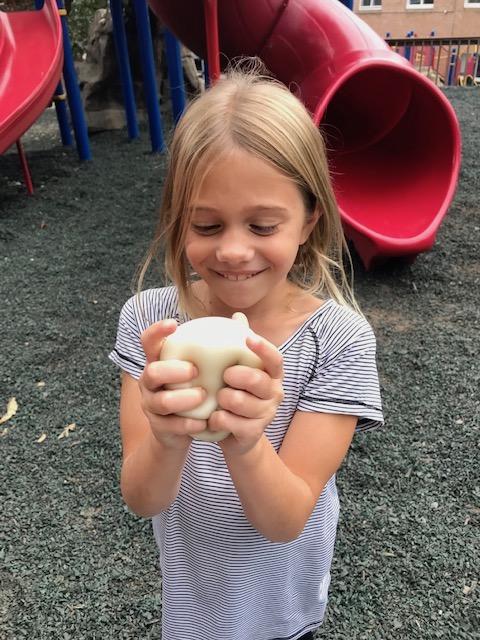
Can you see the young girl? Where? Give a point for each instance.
(246, 527)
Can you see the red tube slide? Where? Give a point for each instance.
(393, 137)
(31, 59)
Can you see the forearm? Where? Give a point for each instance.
(151, 476)
(275, 501)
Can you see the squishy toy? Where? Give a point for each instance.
(212, 344)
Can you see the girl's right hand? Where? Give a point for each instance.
(159, 404)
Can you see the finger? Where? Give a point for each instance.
(171, 401)
(226, 421)
(269, 354)
(169, 428)
(240, 403)
(153, 337)
(156, 374)
(255, 381)
(185, 426)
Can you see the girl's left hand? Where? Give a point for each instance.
(250, 401)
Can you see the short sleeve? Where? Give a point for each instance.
(128, 351)
(346, 380)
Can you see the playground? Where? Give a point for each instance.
(74, 562)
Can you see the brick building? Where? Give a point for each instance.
(447, 18)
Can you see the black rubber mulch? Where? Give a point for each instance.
(74, 563)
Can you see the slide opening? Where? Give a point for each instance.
(391, 138)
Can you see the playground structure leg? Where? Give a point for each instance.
(210, 8)
(175, 74)
(73, 91)
(62, 115)
(25, 168)
(121, 48)
(149, 77)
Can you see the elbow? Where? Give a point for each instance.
(283, 537)
(142, 507)
(283, 534)
(288, 528)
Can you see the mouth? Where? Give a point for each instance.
(238, 276)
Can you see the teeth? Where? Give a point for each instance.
(236, 277)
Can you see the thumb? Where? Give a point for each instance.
(153, 337)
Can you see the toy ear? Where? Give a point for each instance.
(240, 317)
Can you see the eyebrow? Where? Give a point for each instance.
(254, 209)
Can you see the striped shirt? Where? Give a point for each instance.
(221, 579)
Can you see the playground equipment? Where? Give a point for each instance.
(393, 137)
(446, 61)
(34, 48)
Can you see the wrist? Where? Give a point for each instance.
(166, 443)
(247, 457)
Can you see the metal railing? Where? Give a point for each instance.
(446, 61)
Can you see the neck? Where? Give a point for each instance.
(201, 304)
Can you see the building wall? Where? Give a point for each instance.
(447, 18)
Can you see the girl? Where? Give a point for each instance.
(248, 222)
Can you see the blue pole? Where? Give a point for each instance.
(62, 115)
(453, 64)
(145, 48)
(408, 50)
(121, 48)
(73, 92)
(175, 74)
(206, 74)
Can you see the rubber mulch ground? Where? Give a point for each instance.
(74, 563)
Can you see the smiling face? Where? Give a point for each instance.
(247, 223)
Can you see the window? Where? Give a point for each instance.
(371, 5)
(419, 4)
(471, 4)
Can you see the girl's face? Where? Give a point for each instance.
(247, 224)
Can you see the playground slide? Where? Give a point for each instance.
(31, 59)
(393, 137)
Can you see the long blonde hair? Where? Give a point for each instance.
(249, 110)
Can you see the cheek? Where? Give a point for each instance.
(193, 251)
(284, 251)
(198, 255)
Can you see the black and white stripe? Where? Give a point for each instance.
(221, 579)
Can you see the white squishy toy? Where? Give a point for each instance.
(212, 344)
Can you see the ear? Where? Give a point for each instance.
(310, 224)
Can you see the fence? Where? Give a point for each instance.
(446, 61)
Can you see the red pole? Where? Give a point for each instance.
(211, 33)
(25, 169)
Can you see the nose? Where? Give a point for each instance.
(234, 248)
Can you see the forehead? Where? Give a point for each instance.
(242, 178)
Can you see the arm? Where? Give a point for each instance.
(278, 492)
(151, 473)
(155, 442)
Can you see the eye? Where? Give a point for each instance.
(263, 230)
(206, 229)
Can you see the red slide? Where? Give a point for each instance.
(31, 59)
(393, 137)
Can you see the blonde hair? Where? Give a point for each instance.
(246, 109)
